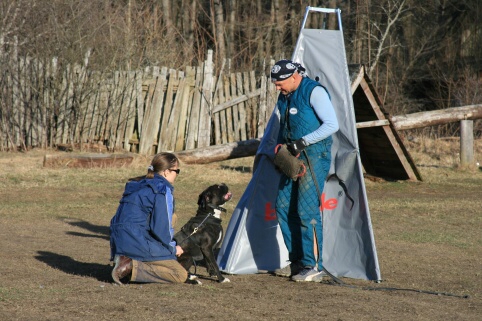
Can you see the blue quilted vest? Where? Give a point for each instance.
(297, 117)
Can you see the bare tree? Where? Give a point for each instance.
(231, 18)
(166, 14)
(406, 44)
(12, 21)
(219, 29)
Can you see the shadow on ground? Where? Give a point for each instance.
(100, 231)
(68, 265)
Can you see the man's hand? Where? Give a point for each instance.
(296, 147)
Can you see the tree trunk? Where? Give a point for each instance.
(261, 38)
(128, 40)
(295, 23)
(232, 22)
(332, 18)
(278, 16)
(192, 23)
(218, 30)
(166, 11)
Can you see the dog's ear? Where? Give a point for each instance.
(204, 199)
(200, 200)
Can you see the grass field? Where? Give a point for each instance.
(55, 249)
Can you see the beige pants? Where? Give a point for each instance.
(167, 271)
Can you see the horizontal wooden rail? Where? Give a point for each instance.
(249, 147)
(437, 117)
(218, 153)
(236, 100)
(374, 123)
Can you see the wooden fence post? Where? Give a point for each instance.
(466, 142)
(164, 130)
(152, 114)
(193, 113)
(204, 136)
(186, 95)
(241, 106)
(131, 114)
(229, 112)
(262, 108)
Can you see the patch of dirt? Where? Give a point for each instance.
(55, 251)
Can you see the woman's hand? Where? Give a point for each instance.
(179, 250)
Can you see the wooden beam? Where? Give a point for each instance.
(88, 160)
(249, 147)
(358, 78)
(219, 152)
(374, 123)
(237, 100)
(437, 117)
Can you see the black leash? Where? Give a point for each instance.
(336, 281)
(313, 175)
(195, 229)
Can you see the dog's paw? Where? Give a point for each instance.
(192, 279)
(226, 280)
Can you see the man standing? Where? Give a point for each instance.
(307, 121)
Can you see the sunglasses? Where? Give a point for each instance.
(178, 171)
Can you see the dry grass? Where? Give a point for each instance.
(442, 152)
(55, 250)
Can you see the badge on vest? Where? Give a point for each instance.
(293, 111)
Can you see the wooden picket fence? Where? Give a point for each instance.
(157, 109)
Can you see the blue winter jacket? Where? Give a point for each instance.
(142, 226)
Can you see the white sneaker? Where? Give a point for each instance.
(319, 277)
(306, 275)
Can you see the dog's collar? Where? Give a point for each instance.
(222, 209)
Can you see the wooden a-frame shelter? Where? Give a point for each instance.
(382, 151)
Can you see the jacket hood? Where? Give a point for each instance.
(158, 184)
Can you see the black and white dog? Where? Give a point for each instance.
(203, 233)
